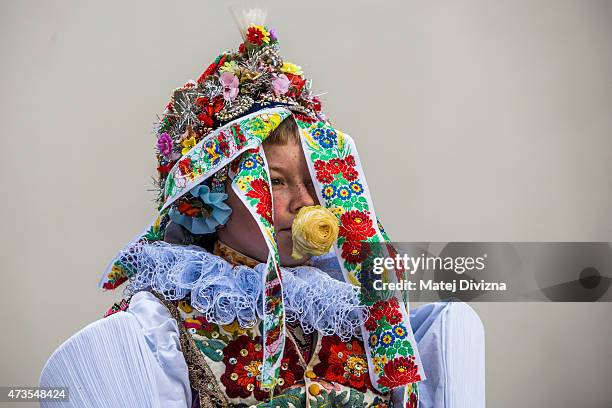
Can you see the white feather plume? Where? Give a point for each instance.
(245, 16)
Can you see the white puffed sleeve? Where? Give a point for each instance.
(129, 359)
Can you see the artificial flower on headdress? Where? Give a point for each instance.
(203, 213)
(291, 68)
(258, 35)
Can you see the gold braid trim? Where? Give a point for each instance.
(200, 376)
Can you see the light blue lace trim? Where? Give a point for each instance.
(223, 292)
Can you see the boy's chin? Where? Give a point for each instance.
(288, 261)
(285, 248)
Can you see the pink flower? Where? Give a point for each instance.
(164, 144)
(280, 84)
(230, 83)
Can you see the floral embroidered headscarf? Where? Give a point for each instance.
(213, 128)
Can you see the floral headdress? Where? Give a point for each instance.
(212, 129)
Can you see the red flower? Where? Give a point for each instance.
(209, 108)
(185, 166)
(324, 176)
(255, 36)
(350, 174)
(243, 361)
(261, 191)
(399, 371)
(343, 362)
(322, 172)
(165, 169)
(342, 166)
(316, 104)
(224, 146)
(241, 48)
(319, 165)
(296, 84)
(189, 210)
(304, 118)
(355, 251)
(387, 308)
(356, 226)
(238, 135)
(211, 68)
(336, 166)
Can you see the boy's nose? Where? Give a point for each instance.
(303, 198)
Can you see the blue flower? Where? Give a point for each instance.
(204, 225)
(318, 132)
(325, 142)
(356, 187)
(373, 340)
(329, 191)
(344, 193)
(325, 137)
(400, 331)
(386, 339)
(249, 164)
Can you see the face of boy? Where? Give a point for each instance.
(292, 189)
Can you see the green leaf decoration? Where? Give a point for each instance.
(384, 325)
(290, 398)
(213, 349)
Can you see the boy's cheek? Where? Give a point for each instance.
(281, 212)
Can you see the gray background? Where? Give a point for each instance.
(476, 121)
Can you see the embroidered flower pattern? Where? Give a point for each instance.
(343, 167)
(243, 364)
(343, 362)
(389, 310)
(338, 176)
(399, 371)
(115, 277)
(354, 251)
(325, 137)
(198, 325)
(257, 196)
(356, 226)
(260, 191)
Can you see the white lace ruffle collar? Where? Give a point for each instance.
(223, 292)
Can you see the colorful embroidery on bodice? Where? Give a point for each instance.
(334, 373)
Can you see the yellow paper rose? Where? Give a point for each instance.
(314, 230)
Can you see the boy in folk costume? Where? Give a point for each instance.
(244, 290)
